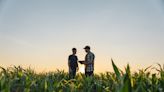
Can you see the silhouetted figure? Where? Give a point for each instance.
(72, 63)
(88, 62)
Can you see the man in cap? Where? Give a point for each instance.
(88, 62)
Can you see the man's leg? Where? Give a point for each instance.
(70, 72)
(89, 73)
(86, 74)
(74, 73)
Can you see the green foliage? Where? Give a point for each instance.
(17, 79)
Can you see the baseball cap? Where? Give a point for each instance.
(87, 47)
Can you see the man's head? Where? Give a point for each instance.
(74, 51)
(87, 49)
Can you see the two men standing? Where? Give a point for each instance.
(88, 62)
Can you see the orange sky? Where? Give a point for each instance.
(42, 35)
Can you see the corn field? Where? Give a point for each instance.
(17, 79)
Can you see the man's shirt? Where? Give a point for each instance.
(89, 58)
(72, 60)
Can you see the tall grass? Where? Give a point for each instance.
(17, 79)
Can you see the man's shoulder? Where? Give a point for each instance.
(72, 56)
(91, 53)
(69, 56)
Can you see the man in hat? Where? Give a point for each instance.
(88, 62)
(72, 63)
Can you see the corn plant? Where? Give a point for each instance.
(18, 79)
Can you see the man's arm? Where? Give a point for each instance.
(77, 67)
(77, 63)
(88, 63)
(89, 60)
(69, 61)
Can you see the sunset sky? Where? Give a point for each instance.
(41, 33)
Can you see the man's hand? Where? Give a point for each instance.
(85, 63)
(77, 69)
(81, 62)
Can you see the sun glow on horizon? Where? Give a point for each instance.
(81, 69)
